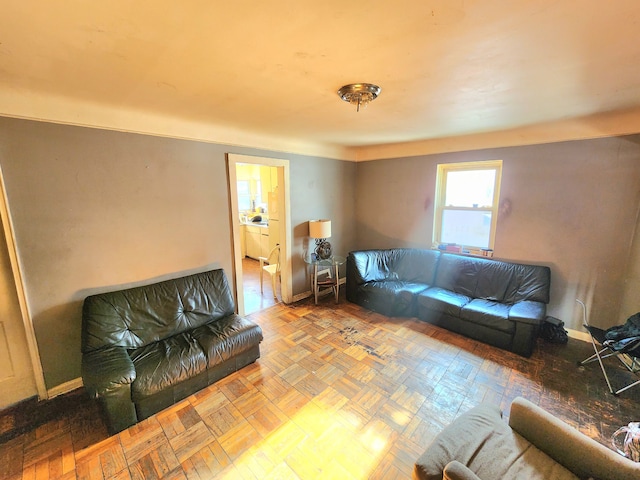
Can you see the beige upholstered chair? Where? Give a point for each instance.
(534, 445)
(272, 267)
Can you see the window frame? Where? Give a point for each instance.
(441, 193)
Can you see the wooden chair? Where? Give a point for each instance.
(272, 267)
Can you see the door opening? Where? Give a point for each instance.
(260, 219)
(21, 373)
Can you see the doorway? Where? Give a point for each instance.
(263, 193)
(255, 299)
(21, 374)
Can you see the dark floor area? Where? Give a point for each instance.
(30, 414)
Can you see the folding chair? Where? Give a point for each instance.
(626, 350)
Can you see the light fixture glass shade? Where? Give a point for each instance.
(359, 94)
(320, 228)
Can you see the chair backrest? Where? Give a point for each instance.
(274, 257)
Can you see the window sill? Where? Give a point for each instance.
(472, 251)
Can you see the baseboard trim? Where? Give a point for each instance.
(64, 387)
(578, 335)
(301, 296)
(308, 293)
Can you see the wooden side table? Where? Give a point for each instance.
(330, 268)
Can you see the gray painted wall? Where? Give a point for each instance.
(573, 207)
(97, 210)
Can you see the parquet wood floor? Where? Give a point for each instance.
(254, 300)
(339, 393)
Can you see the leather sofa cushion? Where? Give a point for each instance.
(483, 442)
(493, 280)
(136, 317)
(443, 300)
(488, 313)
(528, 312)
(226, 338)
(394, 287)
(532, 282)
(168, 362)
(393, 298)
(405, 264)
(458, 274)
(165, 363)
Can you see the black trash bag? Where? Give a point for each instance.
(631, 328)
(625, 338)
(553, 331)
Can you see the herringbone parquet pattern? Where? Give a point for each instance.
(339, 393)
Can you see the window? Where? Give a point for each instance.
(248, 198)
(466, 207)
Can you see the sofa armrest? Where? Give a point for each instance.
(575, 451)
(457, 471)
(528, 311)
(527, 315)
(107, 375)
(106, 369)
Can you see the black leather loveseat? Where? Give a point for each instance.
(499, 303)
(145, 348)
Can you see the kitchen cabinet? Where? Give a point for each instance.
(257, 241)
(252, 237)
(264, 243)
(243, 241)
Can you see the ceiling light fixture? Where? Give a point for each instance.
(359, 94)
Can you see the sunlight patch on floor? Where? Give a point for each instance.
(316, 443)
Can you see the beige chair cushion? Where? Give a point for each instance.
(483, 442)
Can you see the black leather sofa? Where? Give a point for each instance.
(499, 303)
(146, 348)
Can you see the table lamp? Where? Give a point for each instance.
(320, 230)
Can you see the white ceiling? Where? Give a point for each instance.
(265, 73)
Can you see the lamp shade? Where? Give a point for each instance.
(319, 228)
